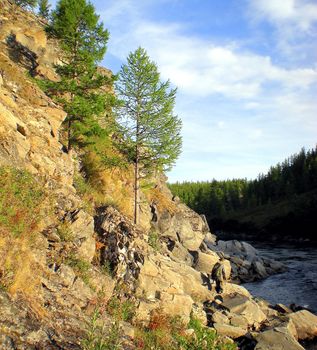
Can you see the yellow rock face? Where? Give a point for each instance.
(29, 120)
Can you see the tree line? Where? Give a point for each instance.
(219, 199)
(136, 117)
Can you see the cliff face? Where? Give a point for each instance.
(29, 120)
(69, 261)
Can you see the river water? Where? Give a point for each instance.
(297, 285)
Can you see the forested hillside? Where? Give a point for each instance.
(281, 202)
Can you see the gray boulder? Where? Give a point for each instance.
(277, 339)
(305, 323)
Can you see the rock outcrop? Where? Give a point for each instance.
(29, 120)
(246, 262)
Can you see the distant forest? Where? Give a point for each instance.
(283, 201)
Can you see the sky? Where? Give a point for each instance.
(246, 73)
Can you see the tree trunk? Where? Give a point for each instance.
(69, 145)
(136, 189)
(136, 167)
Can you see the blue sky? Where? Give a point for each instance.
(246, 72)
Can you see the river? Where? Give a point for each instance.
(297, 285)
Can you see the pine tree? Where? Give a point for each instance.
(26, 3)
(44, 9)
(83, 40)
(151, 130)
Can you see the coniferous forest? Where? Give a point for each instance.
(279, 204)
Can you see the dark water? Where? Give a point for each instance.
(298, 285)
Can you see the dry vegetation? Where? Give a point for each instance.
(162, 199)
(106, 184)
(22, 203)
(165, 333)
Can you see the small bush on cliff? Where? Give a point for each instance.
(81, 268)
(121, 310)
(64, 232)
(100, 337)
(23, 203)
(154, 240)
(21, 197)
(101, 185)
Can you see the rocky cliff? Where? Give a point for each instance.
(60, 260)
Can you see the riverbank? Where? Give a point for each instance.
(245, 233)
(297, 285)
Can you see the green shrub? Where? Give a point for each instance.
(106, 269)
(23, 205)
(154, 240)
(121, 310)
(92, 195)
(64, 232)
(100, 337)
(166, 333)
(81, 268)
(21, 197)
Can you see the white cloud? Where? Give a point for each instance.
(199, 67)
(294, 23)
(300, 13)
(267, 107)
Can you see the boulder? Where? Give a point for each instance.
(66, 275)
(276, 266)
(230, 247)
(82, 227)
(260, 269)
(143, 312)
(179, 305)
(283, 309)
(239, 321)
(288, 326)
(235, 289)
(248, 250)
(171, 286)
(184, 226)
(206, 262)
(246, 307)
(81, 292)
(220, 318)
(182, 254)
(277, 339)
(150, 268)
(230, 331)
(305, 323)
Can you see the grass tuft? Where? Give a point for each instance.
(100, 337)
(64, 232)
(165, 333)
(121, 310)
(21, 197)
(81, 268)
(154, 240)
(22, 207)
